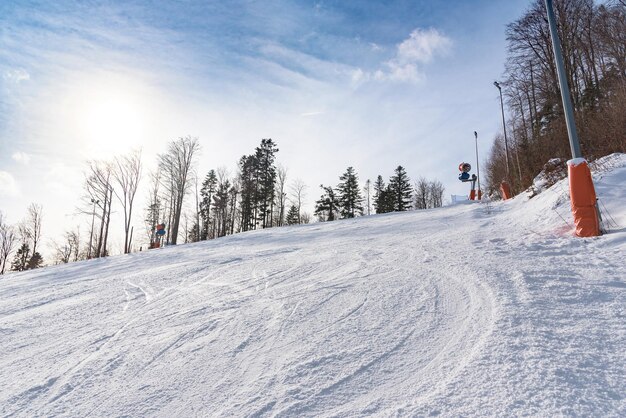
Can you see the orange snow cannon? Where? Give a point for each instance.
(583, 197)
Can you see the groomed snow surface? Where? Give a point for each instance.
(474, 309)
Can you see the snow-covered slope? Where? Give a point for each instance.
(473, 309)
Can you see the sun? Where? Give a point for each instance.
(111, 119)
(113, 124)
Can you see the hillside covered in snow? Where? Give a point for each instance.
(473, 309)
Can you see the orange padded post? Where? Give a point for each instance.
(583, 197)
(505, 190)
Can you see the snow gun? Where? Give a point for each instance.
(465, 177)
(160, 233)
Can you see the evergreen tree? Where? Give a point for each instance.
(220, 208)
(384, 201)
(379, 190)
(387, 201)
(350, 198)
(35, 261)
(209, 186)
(266, 169)
(248, 184)
(292, 216)
(327, 206)
(22, 256)
(400, 187)
(257, 178)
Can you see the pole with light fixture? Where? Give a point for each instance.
(477, 168)
(506, 140)
(505, 189)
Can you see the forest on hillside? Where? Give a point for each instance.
(593, 39)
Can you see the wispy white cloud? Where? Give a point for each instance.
(422, 46)
(8, 185)
(309, 114)
(419, 49)
(16, 76)
(21, 157)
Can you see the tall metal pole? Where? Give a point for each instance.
(565, 94)
(477, 169)
(506, 140)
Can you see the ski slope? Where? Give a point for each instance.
(473, 309)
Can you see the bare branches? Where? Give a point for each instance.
(33, 222)
(298, 194)
(127, 173)
(8, 239)
(176, 165)
(593, 39)
(100, 193)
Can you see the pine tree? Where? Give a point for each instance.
(387, 200)
(400, 186)
(35, 261)
(327, 206)
(265, 156)
(209, 186)
(22, 256)
(350, 199)
(292, 216)
(379, 190)
(220, 208)
(248, 184)
(384, 201)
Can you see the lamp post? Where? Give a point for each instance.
(477, 169)
(506, 141)
(565, 95)
(93, 215)
(582, 191)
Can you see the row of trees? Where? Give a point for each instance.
(26, 237)
(593, 37)
(106, 181)
(346, 200)
(258, 196)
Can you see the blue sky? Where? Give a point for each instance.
(335, 83)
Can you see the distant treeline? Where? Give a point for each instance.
(190, 207)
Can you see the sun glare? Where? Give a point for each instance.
(111, 121)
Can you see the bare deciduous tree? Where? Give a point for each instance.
(176, 165)
(298, 194)
(8, 239)
(593, 40)
(33, 223)
(436, 191)
(99, 190)
(367, 189)
(422, 194)
(154, 209)
(281, 194)
(127, 173)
